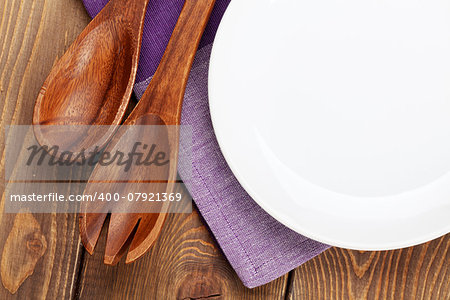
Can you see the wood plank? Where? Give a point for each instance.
(185, 263)
(55, 273)
(421, 272)
(32, 35)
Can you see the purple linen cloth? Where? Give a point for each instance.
(258, 247)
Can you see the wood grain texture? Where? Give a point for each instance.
(23, 248)
(32, 35)
(55, 272)
(184, 263)
(421, 272)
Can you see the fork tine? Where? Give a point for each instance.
(90, 227)
(121, 226)
(148, 231)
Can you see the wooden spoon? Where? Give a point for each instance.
(92, 83)
(161, 106)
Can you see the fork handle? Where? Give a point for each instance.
(164, 96)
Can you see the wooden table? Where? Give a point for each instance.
(185, 263)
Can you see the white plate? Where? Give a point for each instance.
(335, 115)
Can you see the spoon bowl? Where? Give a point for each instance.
(92, 83)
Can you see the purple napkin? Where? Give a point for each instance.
(258, 247)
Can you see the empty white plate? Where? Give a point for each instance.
(334, 115)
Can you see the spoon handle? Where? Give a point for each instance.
(164, 96)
